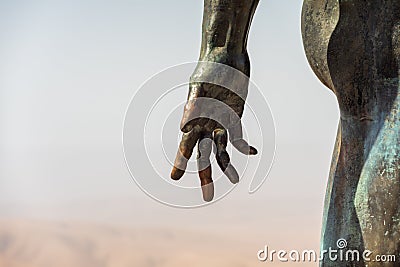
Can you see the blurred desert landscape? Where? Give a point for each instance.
(68, 72)
(75, 243)
(34, 243)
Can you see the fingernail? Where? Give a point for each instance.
(186, 128)
(176, 174)
(232, 174)
(208, 192)
(253, 151)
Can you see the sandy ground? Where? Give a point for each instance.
(28, 243)
(45, 244)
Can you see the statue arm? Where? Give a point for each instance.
(226, 24)
(217, 92)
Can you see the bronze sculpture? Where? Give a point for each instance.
(353, 47)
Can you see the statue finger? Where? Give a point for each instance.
(184, 153)
(204, 166)
(222, 156)
(236, 139)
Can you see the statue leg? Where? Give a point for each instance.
(378, 194)
(360, 63)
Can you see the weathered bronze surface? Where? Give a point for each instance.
(353, 47)
(225, 31)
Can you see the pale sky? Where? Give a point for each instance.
(68, 70)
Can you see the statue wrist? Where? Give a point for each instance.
(237, 60)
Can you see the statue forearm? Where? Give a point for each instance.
(225, 29)
(226, 24)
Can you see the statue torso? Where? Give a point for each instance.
(354, 49)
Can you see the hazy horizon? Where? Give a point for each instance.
(68, 72)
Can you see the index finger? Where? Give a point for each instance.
(184, 153)
(204, 166)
